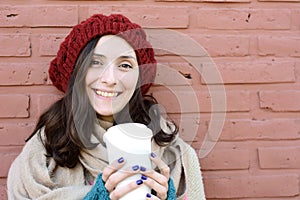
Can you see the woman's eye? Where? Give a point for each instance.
(96, 63)
(125, 66)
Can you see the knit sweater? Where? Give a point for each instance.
(35, 176)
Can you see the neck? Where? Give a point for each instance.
(106, 121)
(107, 118)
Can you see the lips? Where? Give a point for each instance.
(106, 93)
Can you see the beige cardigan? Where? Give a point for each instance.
(33, 176)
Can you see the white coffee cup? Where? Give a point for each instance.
(132, 141)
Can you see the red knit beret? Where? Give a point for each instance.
(62, 66)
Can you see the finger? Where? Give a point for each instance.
(161, 190)
(159, 178)
(162, 166)
(121, 191)
(151, 197)
(112, 168)
(115, 178)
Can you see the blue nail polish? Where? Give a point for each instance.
(135, 167)
(139, 182)
(143, 169)
(143, 177)
(153, 155)
(148, 195)
(120, 160)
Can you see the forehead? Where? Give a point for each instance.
(113, 46)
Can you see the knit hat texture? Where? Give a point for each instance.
(62, 66)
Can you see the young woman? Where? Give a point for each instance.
(105, 67)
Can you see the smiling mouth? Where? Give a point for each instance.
(106, 94)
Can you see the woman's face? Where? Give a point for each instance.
(112, 76)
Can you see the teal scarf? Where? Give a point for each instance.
(99, 192)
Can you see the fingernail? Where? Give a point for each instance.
(143, 177)
(148, 195)
(120, 160)
(139, 182)
(153, 155)
(143, 169)
(135, 167)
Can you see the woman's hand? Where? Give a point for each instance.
(156, 181)
(112, 176)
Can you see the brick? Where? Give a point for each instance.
(168, 75)
(46, 100)
(14, 106)
(148, 16)
(23, 73)
(279, 157)
(200, 133)
(280, 101)
(252, 72)
(295, 19)
(191, 128)
(241, 19)
(49, 44)
(278, 0)
(3, 192)
(185, 100)
(243, 186)
(209, 136)
(235, 159)
(214, 1)
(225, 1)
(238, 101)
(6, 161)
(182, 102)
(7, 156)
(228, 45)
(15, 45)
(41, 102)
(171, 42)
(15, 134)
(37, 16)
(297, 69)
(269, 129)
(279, 46)
(209, 72)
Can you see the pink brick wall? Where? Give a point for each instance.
(255, 45)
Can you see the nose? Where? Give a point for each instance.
(108, 75)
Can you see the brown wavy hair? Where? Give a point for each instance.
(69, 123)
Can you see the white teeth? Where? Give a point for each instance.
(106, 94)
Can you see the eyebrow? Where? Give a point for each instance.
(127, 57)
(98, 55)
(121, 57)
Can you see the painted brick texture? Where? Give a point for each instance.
(254, 46)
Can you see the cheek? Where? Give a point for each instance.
(130, 80)
(90, 76)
